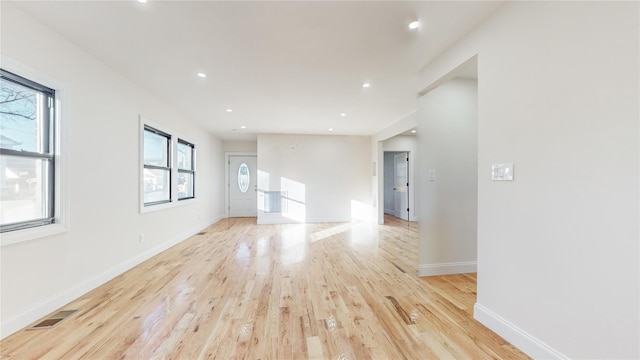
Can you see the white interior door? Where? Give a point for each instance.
(400, 187)
(243, 195)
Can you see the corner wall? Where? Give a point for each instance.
(558, 249)
(448, 165)
(100, 110)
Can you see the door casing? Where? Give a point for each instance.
(227, 178)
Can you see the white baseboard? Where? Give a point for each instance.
(271, 220)
(276, 220)
(35, 312)
(516, 336)
(329, 220)
(447, 268)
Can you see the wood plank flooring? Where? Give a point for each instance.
(246, 291)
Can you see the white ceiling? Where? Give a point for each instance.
(283, 67)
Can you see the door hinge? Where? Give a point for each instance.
(407, 184)
(407, 209)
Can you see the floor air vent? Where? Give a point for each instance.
(202, 233)
(53, 320)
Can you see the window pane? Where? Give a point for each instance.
(185, 185)
(244, 178)
(185, 154)
(156, 185)
(25, 189)
(155, 149)
(22, 115)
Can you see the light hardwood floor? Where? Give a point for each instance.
(246, 291)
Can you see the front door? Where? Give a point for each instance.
(400, 188)
(243, 195)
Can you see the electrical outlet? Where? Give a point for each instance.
(141, 238)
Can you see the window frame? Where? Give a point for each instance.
(168, 168)
(173, 164)
(48, 154)
(191, 171)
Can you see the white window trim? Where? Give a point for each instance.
(61, 198)
(173, 192)
(194, 163)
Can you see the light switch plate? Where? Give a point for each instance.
(502, 172)
(432, 174)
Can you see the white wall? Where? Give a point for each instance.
(327, 177)
(558, 249)
(447, 118)
(408, 143)
(240, 146)
(100, 116)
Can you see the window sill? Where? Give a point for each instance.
(169, 205)
(18, 236)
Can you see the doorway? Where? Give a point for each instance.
(242, 186)
(396, 184)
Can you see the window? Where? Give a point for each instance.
(244, 178)
(157, 167)
(186, 170)
(27, 153)
(168, 168)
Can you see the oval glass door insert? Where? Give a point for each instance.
(243, 178)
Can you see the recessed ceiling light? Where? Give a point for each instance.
(414, 25)
(330, 129)
(343, 114)
(243, 127)
(142, 1)
(202, 75)
(414, 131)
(366, 85)
(229, 110)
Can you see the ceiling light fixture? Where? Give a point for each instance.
(202, 75)
(366, 85)
(142, 1)
(414, 131)
(243, 127)
(330, 129)
(414, 25)
(343, 114)
(229, 110)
